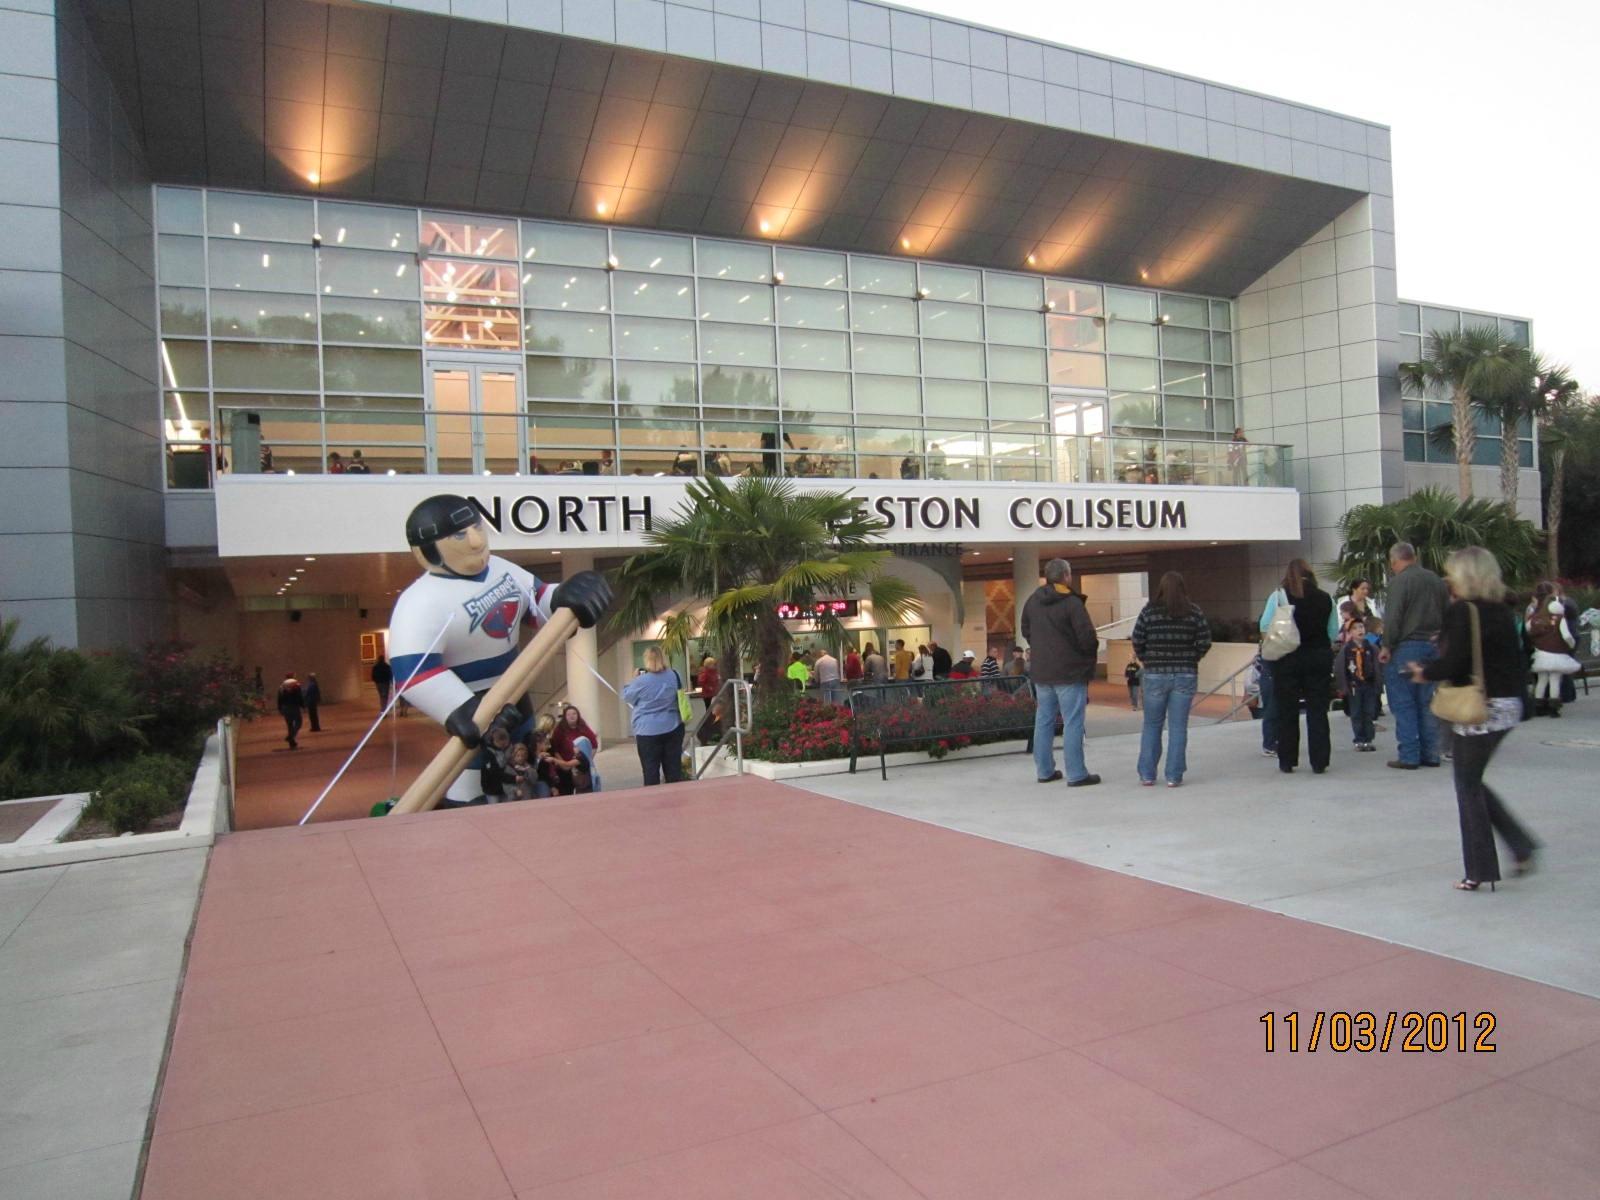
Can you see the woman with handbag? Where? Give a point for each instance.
(656, 719)
(1299, 625)
(1480, 671)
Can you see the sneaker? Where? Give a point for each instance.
(1051, 778)
(1086, 781)
(1147, 783)
(1265, 753)
(1402, 766)
(1174, 783)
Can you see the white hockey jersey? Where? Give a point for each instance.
(484, 613)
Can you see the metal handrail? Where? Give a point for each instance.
(734, 730)
(1244, 700)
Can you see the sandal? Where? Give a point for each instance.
(1471, 885)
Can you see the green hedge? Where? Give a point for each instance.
(140, 790)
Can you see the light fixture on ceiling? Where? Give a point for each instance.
(600, 208)
(905, 243)
(1032, 261)
(313, 178)
(765, 226)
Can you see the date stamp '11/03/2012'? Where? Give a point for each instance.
(1366, 1032)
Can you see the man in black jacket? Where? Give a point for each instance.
(941, 660)
(1064, 648)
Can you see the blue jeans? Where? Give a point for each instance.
(1269, 710)
(1415, 726)
(1166, 699)
(1362, 706)
(1069, 700)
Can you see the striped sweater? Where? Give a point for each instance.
(1171, 645)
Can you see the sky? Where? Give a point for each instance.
(1494, 108)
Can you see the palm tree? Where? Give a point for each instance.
(1474, 362)
(1571, 430)
(748, 548)
(1537, 386)
(1436, 523)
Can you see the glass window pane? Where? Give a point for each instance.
(1411, 415)
(659, 252)
(183, 310)
(461, 281)
(567, 287)
(952, 283)
(654, 384)
(1221, 314)
(954, 360)
(1013, 291)
(1184, 378)
(953, 398)
(819, 391)
(265, 365)
(964, 321)
(1223, 410)
(262, 267)
(269, 218)
(573, 245)
(811, 308)
(357, 429)
(733, 261)
(183, 365)
(379, 322)
(742, 387)
(1185, 343)
(815, 348)
(1440, 320)
(1525, 453)
(811, 268)
(279, 425)
(1077, 370)
(654, 295)
(1185, 413)
(1222, 347)
(369, 273)
(469, 236)
(181, 260)
(1410, 319)
(1130, 306)
(567, 332)
(1133, 374)
(570, 431)
(1082, 298)
(1133, 410)
(886, 355)
(1075, 333)
(724, 301)
(883, 276)
(884, 314)
(1514, 331)
(1186, 310)
(1008, 364)
(743, 344)
(264, 315)
(887, 394)
(471, 327)
(1222, 381)
(1015, 328)
(357, 369)
(1129, 337)
(179, 210)
(366, 226)
(1486, 452)
(1015, 402)
(1416, 447)
(569, 379)
(385, 403)
(643, 337)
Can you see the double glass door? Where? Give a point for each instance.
(474, 418)
(1080, 428)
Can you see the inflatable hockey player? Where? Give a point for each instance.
(480, 602)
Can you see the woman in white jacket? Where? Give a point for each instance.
(1552, 641)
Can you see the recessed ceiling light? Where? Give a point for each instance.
(313, 177)
(766, 226)
(601, 208)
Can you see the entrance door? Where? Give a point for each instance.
(1080, 427)
(475, 418)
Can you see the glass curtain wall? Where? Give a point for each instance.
(1425, 419)
(294, 336)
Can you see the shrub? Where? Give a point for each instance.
(790, 728)
(139, 791)
(186, 694)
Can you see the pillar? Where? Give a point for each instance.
(1024, 579)
(583, 652)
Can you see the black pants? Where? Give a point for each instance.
(311, 715)
(383, 695)
(1307, 675)
(661, 754)
(1482, 813)
(291, 722)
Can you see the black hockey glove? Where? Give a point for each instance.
(587, 594)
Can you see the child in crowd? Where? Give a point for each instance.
(1134, 674)
(1356, 676)
(496, 777)
(519, 774)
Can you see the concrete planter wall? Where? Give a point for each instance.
(205, 814)
(727, 765)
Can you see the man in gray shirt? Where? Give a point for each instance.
(1413, 613)
(826, 672)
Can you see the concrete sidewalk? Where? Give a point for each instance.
(1362, 848)
(90, 961)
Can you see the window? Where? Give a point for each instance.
(265, 365)
(263, 315)
(267, 218)
(963, 321)
(569, 379)
(181, 260)
(179, 210)
(952, 284)
(1070, 298)
(815, 348)
(953, 398)
(1186, 310)
(953, 360)
(1010, 364)
(654, 295)
(372, 273)
(885, 355)
(1015, 328)
(1075, 333)
(811, 268)
(183, 365)
(1125, 305)
(888, 394)
(366, 227)
(645, 337)
(811, 308)
(733, 261)
(654, 384)
(1128, 337)
(462, 281)
(263, 267)
(1013, 402)
(567, 332)
(724, 301)
(883, 276)
(741, 387)
(815, 391)
(357, 369)
(183, 310)
(1077, 370)
(1184, 378)
(468, 237)
(653, 252)
(743, 344)
(1013, 291)
(372, 321)
(1440, 320)
(570, 288)
(571, 245)
(1410, 319)
(1185, 343)
(884, 314)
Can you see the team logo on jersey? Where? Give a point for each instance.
(496, 610)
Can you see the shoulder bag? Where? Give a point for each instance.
(1283, 635)
(1465, 704)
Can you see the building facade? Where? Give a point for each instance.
(1021, 299)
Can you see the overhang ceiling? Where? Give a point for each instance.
(409, 108)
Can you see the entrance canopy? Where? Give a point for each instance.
(391, 104)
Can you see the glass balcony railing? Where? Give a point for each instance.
(413, 443)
